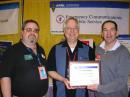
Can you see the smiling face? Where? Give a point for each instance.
(29, 34)
(109, 32)
(71, 30)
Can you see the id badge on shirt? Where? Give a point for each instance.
(42, 72)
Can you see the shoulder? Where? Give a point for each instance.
(14, 47)
(60, 44)
(122, 49)
(82, 44)
(18, 46)
(98, 48)
(40, 47)
(11, 51)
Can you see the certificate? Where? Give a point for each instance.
(84, 73)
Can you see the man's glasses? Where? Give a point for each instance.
(72, 29)
(31, 30)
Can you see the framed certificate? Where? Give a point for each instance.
(84, 73)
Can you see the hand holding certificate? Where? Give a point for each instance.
(84, 73)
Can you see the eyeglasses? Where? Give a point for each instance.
(31, 30)
(72, 29)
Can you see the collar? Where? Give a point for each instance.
(117, 44)
(37, 45)
(79, 44)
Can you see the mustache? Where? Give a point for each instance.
(32, 38)
(31, 35)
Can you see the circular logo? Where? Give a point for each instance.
(60, 19)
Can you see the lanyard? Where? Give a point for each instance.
(38, 59)
(37, 55)
(69, 59)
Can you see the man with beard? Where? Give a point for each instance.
(23, 72)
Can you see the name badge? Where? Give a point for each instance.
(28, 57)
(42, 72)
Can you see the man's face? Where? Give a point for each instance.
(30, 34)
(71, 31)
(109, 33)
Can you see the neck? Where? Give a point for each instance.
(32, 46)
(72, 44)
(34, 49)
(108, 46)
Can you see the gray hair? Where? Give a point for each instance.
(70, 18)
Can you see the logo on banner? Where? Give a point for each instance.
(60, 19)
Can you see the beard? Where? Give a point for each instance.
(32, 39)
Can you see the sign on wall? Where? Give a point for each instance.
(9, 18)
(91, 14)
(125, 40)
(3, 46)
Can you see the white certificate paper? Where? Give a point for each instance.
(84, 73)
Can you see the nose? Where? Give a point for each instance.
(72, 29)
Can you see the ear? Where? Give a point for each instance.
(117, 34)
(21, 33)
(64, 30)
(102, 35)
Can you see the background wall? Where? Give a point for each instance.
(39, 10)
